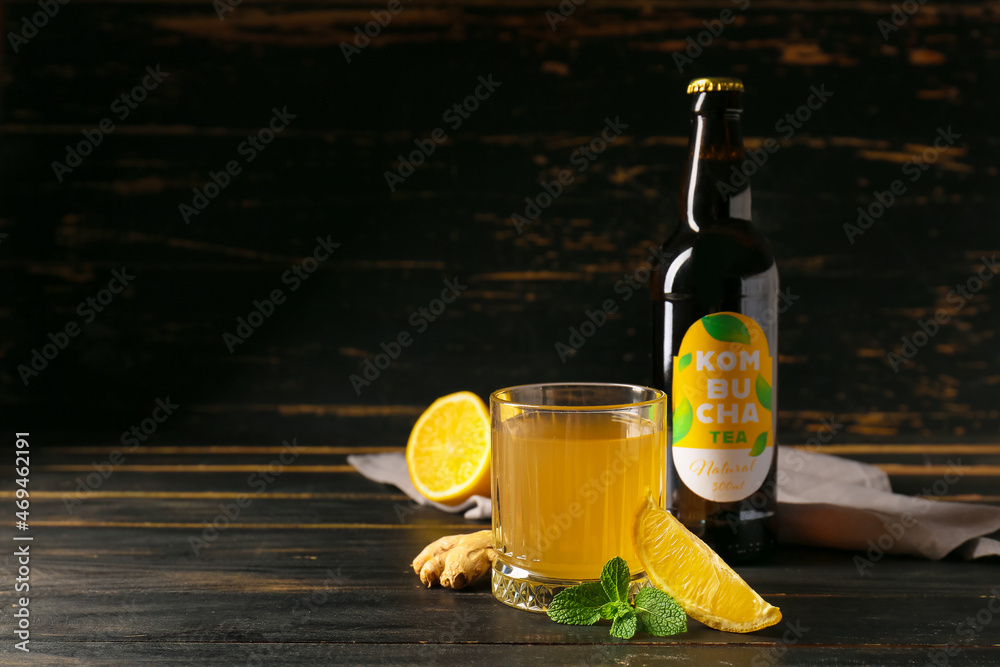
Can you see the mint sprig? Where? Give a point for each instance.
(654, 611)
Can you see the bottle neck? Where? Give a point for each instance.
(711, 189)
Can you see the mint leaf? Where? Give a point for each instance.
(579, 605)
(614, 578)
(659, 613)
(614, 609)
(655, 612)
(623, 626)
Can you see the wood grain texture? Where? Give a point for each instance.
(309, 653)
(324, 175)
(138, 576)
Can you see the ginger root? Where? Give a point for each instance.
(456, 560)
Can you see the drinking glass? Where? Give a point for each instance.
(571, 464)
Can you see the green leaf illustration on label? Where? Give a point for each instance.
(759, 445)
(726, 328)
(683, 363)
(763, 392)
(682, 420)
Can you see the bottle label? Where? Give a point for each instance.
(723, 430)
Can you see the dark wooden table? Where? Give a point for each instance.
(314, 569)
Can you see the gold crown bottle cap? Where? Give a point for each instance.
(714, 84)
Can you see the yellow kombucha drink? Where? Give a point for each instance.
(566, 487)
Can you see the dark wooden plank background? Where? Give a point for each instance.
(450, 220)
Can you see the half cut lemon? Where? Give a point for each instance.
(448, 453)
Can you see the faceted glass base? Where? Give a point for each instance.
(520, 589)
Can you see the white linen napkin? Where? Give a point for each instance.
(391, 469)
(823, 500)
(829, 501)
